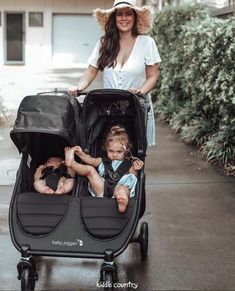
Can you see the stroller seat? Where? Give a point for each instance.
(39, 214)
(101, 217)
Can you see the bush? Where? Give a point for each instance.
(4, 114)
(196, 92)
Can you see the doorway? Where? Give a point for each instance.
(14, 38)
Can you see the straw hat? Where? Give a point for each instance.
(144, 15)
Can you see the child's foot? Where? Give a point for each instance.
(60, 190)
(69, 156)
(48, 190)
(78, 150)
(122, 201)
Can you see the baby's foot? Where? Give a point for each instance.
(69, 156)
(122, 201)
(48, 190)
(78, 150)
(60, 190)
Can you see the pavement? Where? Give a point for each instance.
(190, 211)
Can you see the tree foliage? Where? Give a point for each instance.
(196, 92)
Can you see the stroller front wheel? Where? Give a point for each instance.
(108, 281)
(27, 282)
(143, 240)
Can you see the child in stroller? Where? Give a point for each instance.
(117, 169)
(54, 177)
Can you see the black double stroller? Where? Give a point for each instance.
(76, 224)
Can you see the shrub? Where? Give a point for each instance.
(196, 92)
(3, 113)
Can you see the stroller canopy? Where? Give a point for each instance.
(45, 115)
(115, 105)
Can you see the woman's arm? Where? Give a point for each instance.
(151, 80)
(87, 78)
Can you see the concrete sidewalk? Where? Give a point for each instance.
(191, 216)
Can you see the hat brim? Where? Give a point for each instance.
(144, 17)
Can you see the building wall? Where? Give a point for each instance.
(38, 40)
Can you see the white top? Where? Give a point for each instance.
(132, 74)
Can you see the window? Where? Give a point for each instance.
(35, 19)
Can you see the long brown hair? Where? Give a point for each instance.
(110, 42)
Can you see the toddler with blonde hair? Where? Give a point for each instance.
(116, 173)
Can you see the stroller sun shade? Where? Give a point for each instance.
(104, 105)
(44, 115)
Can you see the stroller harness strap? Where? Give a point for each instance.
(111, 177)
(52, 176)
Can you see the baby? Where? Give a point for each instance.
(116, 175)
(54, 177)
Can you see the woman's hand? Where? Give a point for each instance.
(88, 77)
(74, 91)
(135, 90)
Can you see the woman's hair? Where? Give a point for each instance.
(110, 42)
(118, 134)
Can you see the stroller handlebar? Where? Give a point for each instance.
(63, 91)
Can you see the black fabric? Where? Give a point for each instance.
(123, 2)
(49, 114)
(114, 105)
(52, 176)
(111, 177)
(38, 214)
(102, 218)
(52, 181)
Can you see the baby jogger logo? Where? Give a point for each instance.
(76, 242)
(117, 285)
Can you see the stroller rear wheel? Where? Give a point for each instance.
(27, 282)
(143, 240)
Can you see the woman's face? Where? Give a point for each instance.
(125, 19)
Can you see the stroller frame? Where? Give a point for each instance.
(30, 245)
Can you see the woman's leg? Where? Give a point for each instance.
(122, 194)
(90, 172)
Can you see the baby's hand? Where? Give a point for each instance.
(137, 164)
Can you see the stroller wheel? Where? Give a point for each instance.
(143, 240)
(27, 282)
(108, 281)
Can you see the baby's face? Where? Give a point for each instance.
(115, 151)
(54, 162)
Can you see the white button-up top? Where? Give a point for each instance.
(133, 73)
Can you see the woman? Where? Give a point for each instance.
(127, 57)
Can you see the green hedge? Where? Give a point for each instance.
(196, 88)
